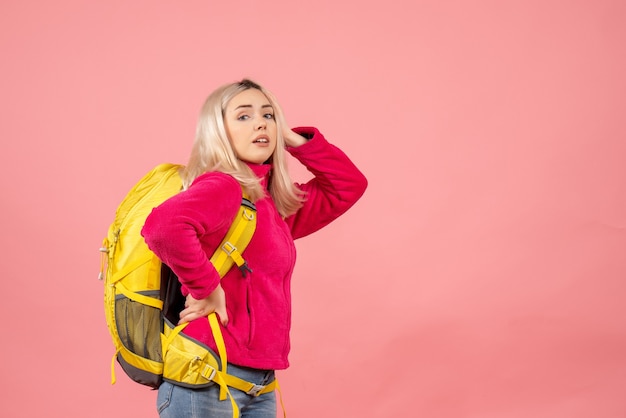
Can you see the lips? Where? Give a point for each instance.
(262, 139)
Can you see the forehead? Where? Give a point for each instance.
(250, 97)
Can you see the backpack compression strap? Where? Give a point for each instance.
(224, 379)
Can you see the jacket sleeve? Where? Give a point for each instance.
(177, 229)
(336, 186)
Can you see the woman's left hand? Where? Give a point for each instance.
(293, 139)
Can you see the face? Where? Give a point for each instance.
(251, 127)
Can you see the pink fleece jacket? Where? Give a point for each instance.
(185, 230)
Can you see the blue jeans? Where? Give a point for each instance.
(179, 402)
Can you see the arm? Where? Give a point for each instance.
(336, 186)
(179, 230)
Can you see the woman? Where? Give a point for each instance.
(241, 144)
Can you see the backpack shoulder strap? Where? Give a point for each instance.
(229, 251)
(237, 238)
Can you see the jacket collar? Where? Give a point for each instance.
(262, 171)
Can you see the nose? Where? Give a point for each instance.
(261, 124)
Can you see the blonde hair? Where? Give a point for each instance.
(213, 151)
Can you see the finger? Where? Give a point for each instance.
(182, 320)
(188, 317)
(223, 316)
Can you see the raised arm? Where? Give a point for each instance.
(336, 186)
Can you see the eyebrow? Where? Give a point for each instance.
(249, 106)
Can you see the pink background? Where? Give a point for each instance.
(481, 276)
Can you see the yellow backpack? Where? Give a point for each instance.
(137, 290)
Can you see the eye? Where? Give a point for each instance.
(243, 117)
(268, 116)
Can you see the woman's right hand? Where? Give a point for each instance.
(197, 308)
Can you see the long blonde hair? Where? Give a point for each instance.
(213, 151)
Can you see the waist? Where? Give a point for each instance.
(252, 375)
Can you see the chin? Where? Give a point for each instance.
(257, 160)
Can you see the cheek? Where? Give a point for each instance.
(229, 131)
(234, 136)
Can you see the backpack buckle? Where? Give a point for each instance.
(228, 248)
(211, 372)
(255, 390)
